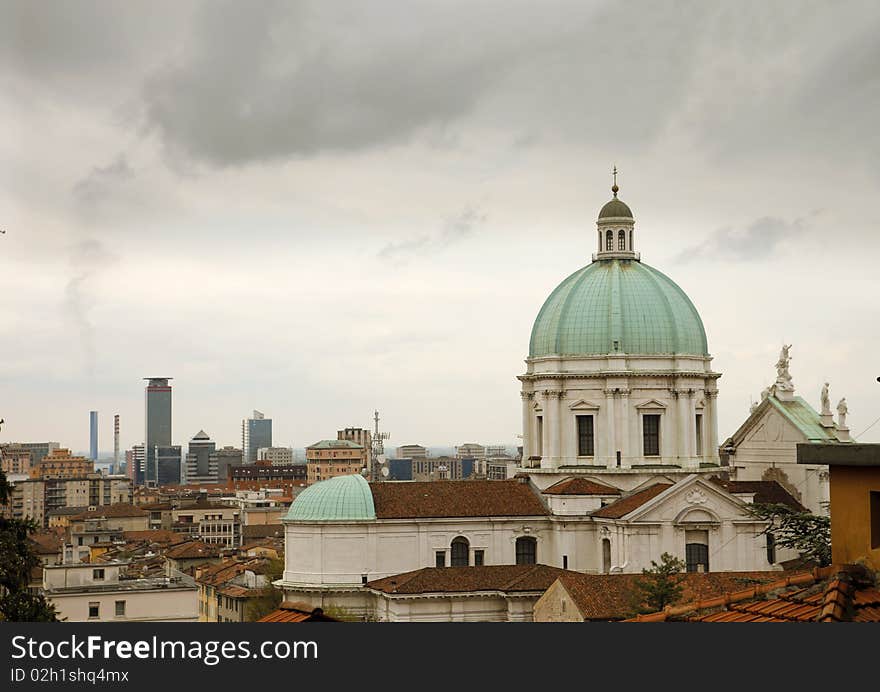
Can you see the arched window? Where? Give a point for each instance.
(621, 240)
(609, 240)
(526, 550)
(630, 241)
(460, 552)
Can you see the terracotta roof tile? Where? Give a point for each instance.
(111, 511)
(297, 612)
(191, 550)
(765, 492)
(406, 500)
(629, 503)
(506, 578)
(580, 486)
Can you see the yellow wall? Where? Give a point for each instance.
(851, 514)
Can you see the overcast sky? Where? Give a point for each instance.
(316, 209)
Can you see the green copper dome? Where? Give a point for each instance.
(344, 498)
(615, 208)
(617, 305)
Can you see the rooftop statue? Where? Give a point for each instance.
(826, 400)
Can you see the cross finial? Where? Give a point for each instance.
(614, 187)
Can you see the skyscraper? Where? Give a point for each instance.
(201, 464)
(256, 432)
(93, 435)
(157, 424)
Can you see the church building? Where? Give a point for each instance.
(619, 382)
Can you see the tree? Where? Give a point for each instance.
(807, 533)
(17, 559)
(271, 597)
(659, 586)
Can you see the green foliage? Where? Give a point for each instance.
(659, 586)
(804, 532)
(271, 596)
(17, 559)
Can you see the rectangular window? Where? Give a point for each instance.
(651, 435)
(479, 557)
(565, 562)
(699, 428)
(98, 574)
(539, 437)
(875, 520)
(771, 548)
(94, 609)
(440, 558)
(120, 608)
(585, 436)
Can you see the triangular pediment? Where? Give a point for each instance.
(651, 404)
(583, 405)
(695, 500)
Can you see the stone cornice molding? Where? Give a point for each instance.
(532, 377)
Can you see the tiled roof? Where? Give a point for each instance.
(192, 550)
(765, 492)
(297, 612)
(629, 503)
(46, 542)
(830, 594)
(111, 511)
(580, 486)
(262, 531)
(65, 511)
(222, 572)
(506, 578)
(162, 536)
(610, 596)
(406, 500)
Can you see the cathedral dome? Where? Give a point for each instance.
(615, 208)
(343, 498)
(618, 305)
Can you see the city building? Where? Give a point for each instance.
(470, 450)
(265, 475)
(157, 425)
(331, 458)
(38, 450)
(344, 532)
(224, 459)
(101, 592)
(764, 447)
(278, 456)
(136, 464)
(227, 589)
(15, 460)
(211, 521)
(411, 452)
(360, 436)
(201, 463)
(618, 377)
(60, 463)
(256, 432)
(168, 465)
(441, 468)
(37, 499)
(93, 435)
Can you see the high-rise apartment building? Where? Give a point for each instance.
(256, 432)
(157, 424)
(168, 465)
(135, 464)
(93, 435)
(277, 456)
(201, 462)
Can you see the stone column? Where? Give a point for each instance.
(551, 424)
(690, 425)
(681, 425)
(624, 419)
(527, 398)
(712, 422)
(610, 432)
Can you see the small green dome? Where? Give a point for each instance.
(344, 498)
(622, 302)
(615, 208)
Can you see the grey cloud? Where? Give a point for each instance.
(100, 180)
(455, 229)
(758, 240)
(87, 258)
